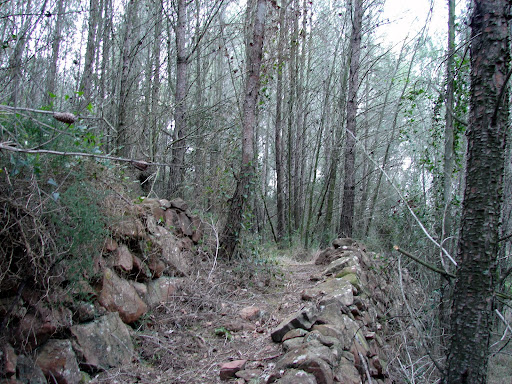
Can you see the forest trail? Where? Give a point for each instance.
(188, 342)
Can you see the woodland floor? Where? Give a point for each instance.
(186, 341)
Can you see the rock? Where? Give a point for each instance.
(110, 245)
(162, 290)
(294, 343)
(196, 225)
(352, 279)
(104, 343)
(337, 289)
(129, 228)
(141, 288)
(33, 331)
(179, 204)
(156, 266)
(343, 242)
(228, 370)
(119, 296)
(164, 203)
(84, 312)
(29, 371)
(311, 360)
(172, 221)
(299, 332)
(327, 256)
(297, 376)
(171, 253)
(140, 269)
(57, 360)
(123, 259)
(8, 358)
(337, 265)
(248, 374)
(251, 313)
(346, 372)
(185, 224)
(158, 213)
(303, 319)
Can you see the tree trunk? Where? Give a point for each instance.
(278, 128)
(122, 144)
(472, 315)
(347, 209)
(237, 204)
(86, 81)
(57, 38)
(180, 111)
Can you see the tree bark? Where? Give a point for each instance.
(279, 127)
(347, 210)
(127, 57)
(86, 81)
(471, 318)
(180, 111)
(57, 38)
(237, 204)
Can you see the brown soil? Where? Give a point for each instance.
(186, 340)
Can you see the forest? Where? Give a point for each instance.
(284, 124)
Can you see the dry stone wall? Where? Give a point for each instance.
(83, 326)
(336, 337)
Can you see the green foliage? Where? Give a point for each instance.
(52, 222)
(223, 332)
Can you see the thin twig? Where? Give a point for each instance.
(429, 236)
(10, 148)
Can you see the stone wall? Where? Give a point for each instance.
(82, 324)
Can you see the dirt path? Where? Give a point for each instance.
(187, 340)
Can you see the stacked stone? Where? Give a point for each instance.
(141, 266)
(336, 337)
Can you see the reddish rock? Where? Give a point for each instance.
(33, 331)
(196, 225)
(140, 269)
(179, 204)
(158, 214)
(117, 295)
(172, 221)
(156, 266)
(110, 245)
(123, 259)
(250, 313)
(185, 224)
(9, 359)
(229, 370)
(58, 362)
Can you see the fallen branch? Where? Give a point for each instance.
(424, 263)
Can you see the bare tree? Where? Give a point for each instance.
(347, 210)
(237, 204)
